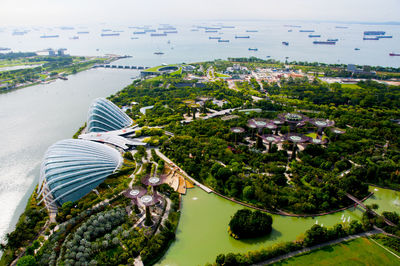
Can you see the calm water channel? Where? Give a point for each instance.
(32, 119)
(202, 231)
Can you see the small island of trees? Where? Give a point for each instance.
(248, 224)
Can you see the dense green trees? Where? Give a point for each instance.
(248, 224)
(315, 235)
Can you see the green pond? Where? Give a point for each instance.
(202, 231)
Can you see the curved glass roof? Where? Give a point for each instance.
(72, 168)
(105, 116)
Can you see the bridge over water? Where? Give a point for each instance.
(367, 209)
(121, 66)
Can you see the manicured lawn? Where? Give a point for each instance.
(314, 135)
(360, 251)
(220, 75)
(352, 86)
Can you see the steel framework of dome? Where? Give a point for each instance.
(105, 116)
(72, 168)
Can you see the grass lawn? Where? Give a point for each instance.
(361, 251)
(220, 75)
(352, 86)
(314, 135)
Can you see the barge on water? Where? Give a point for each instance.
(371, 32)
(158, 34)
(324, 42)
(370, 38)
(253, 49)
(220, 40)
(242, 37)
(109, 34)
(314, 36)
(49, 36)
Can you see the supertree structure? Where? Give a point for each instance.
(258, 123)
(295, 139)
(271, 139)
(293, 119)
(236, 131)
(337, 131)
(321, 124)
(134, 193)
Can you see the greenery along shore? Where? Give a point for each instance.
(206, 132)
(32, 69)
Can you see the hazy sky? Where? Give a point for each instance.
(68, 12)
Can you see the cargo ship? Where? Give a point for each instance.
(158, 53)
(49, 36)
(333, 40)
(149, 30)
(223, 40)
(285, 43)
(394, 54)
(158, 34)
(214, 38)
(314, 36)
(356, 49)
(374, 32)
(242, 37)
(306, 30)
(211, 31)
(370, 38)
(326, 42)
(384, 37)
(109, 34)
(251, 30)
(170, 31)
(253, 49)
(82, 32)
(139, 32)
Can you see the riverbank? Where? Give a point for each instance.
(49, 70)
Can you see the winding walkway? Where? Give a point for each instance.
(279, 212)
(304, 250)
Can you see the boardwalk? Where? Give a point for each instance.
(366, 209)
(166, 159)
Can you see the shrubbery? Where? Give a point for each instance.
(247, 224)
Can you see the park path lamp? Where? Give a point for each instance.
(271, 139)
(258, 123)
(295, 139)
(321, 124)
(337, 131)
(293, 119)
(236, 131)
